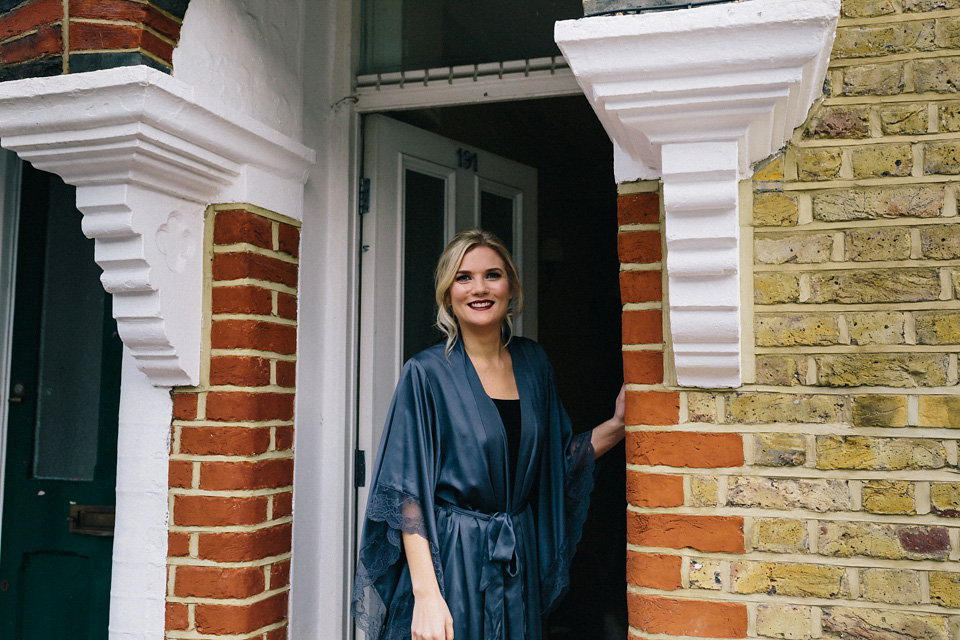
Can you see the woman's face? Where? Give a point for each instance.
(480, 293)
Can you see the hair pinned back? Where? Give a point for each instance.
(447, 268)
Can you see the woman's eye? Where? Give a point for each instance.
(494, 275)
(463, 278)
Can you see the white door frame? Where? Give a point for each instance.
(326, 404)
(10, 170)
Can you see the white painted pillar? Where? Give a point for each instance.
(139, 587)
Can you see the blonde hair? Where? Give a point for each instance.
(447, 268)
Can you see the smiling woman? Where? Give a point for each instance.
(479, 480)
(475, 274)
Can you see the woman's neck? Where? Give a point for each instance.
(482, 345)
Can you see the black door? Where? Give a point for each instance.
(61, 456)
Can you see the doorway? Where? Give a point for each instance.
(577, 311)
(423, 188)
(60, 449)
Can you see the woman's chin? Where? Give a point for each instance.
(480, 322)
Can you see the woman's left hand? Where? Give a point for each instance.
(620, 409)
(606, 435)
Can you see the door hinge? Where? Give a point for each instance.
(359, 468)
(363, 197)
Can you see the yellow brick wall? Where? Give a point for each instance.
(849, 489)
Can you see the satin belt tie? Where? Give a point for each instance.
(500, 576)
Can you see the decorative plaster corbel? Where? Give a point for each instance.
(146, 159)
(696, 96)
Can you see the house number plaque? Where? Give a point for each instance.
(467, 159)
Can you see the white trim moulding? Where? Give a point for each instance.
(474, 83)
(147, 158)
(694, 97)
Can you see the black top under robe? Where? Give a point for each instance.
(510, 416)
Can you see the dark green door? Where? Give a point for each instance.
(61, 428)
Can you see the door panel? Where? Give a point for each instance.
(424, 188)
(61, 428)
(68, 371)
(71, 602)
(424, 227)
(497, 215)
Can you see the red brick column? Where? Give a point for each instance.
(231, 457)
(659, 521)
(51, 37)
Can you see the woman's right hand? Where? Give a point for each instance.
(431, 618)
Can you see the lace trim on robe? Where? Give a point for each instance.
(578, 483)
(390, 514)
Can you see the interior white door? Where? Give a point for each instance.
(423, 189)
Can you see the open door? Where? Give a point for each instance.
(423, 188)
(61, 402)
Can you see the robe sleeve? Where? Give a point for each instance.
(400, 501)
(566, 480)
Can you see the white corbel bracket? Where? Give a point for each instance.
(695, 96)
(147, 158)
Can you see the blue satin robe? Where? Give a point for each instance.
(501, 557)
